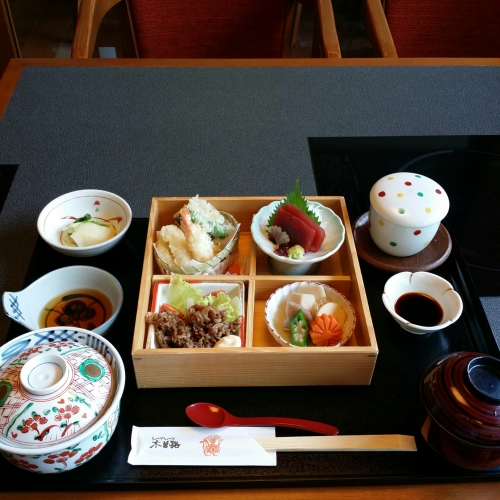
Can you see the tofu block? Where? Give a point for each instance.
(317, 290)
(296, 301)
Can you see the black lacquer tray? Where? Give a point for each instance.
(388, 406)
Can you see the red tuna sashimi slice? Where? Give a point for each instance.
(320, 232)
(298, 231)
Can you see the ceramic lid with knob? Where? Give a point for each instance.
(51, 392)
(409, 199)
(462, 393)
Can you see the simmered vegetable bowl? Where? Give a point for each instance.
(309, 314)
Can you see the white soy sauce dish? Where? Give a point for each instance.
(79, 296)
(421, 302)
(406, 210)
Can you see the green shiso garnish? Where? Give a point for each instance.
(294, 198)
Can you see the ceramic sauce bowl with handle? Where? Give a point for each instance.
(91, 298)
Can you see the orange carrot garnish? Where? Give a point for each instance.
(172, 309)
(325, 330)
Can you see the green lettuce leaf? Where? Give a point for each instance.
(182, 295)
(179, 292)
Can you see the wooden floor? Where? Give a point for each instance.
(44, 28)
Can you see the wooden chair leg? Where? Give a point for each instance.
(296, 22)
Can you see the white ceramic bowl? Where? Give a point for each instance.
(82, 446)
(406, 210)
(275, 313)
(330, 222)
(428, 284)
(26, 306)
(99, 204)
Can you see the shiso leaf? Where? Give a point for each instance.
(295, 198)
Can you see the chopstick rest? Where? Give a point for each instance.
(382, 442)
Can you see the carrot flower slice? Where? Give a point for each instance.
(325, 330)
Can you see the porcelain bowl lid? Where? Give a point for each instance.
(51, 392)
(410, 200)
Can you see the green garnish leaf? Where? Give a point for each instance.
(294, 198)
(85, 218)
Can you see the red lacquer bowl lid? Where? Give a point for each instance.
(462, 393)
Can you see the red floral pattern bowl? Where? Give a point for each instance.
(460, 396)
(60, 392)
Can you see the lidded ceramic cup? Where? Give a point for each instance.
(51, 392)
(406, 210)
(460, 401)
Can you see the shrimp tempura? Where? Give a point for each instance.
(198, 241)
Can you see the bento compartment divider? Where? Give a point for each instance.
(262, 362)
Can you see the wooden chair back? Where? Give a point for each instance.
(208, 29)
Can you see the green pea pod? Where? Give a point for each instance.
(299, 329)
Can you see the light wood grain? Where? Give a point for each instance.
(90, 15)
(383, 442)
(262, 361)
(377, 29)
(457, 491)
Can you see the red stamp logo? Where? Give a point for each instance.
(211, 445)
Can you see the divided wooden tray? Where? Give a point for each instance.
(262, 362)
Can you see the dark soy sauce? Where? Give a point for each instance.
(419, 309)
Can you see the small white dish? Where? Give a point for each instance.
(427, 284)
(330, 222)
(235, 289)
(60, 212)
(26, 306)
(275, 313)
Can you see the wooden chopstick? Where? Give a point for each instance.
(382, 442)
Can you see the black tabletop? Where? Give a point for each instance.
(144, 132)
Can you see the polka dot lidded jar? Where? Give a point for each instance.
(406, 210)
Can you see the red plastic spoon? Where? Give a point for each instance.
(210, 415)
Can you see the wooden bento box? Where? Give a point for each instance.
(262, 362)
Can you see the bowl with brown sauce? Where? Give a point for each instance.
(74, 296)
(421, 302)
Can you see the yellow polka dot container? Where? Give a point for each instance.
(405, 212)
